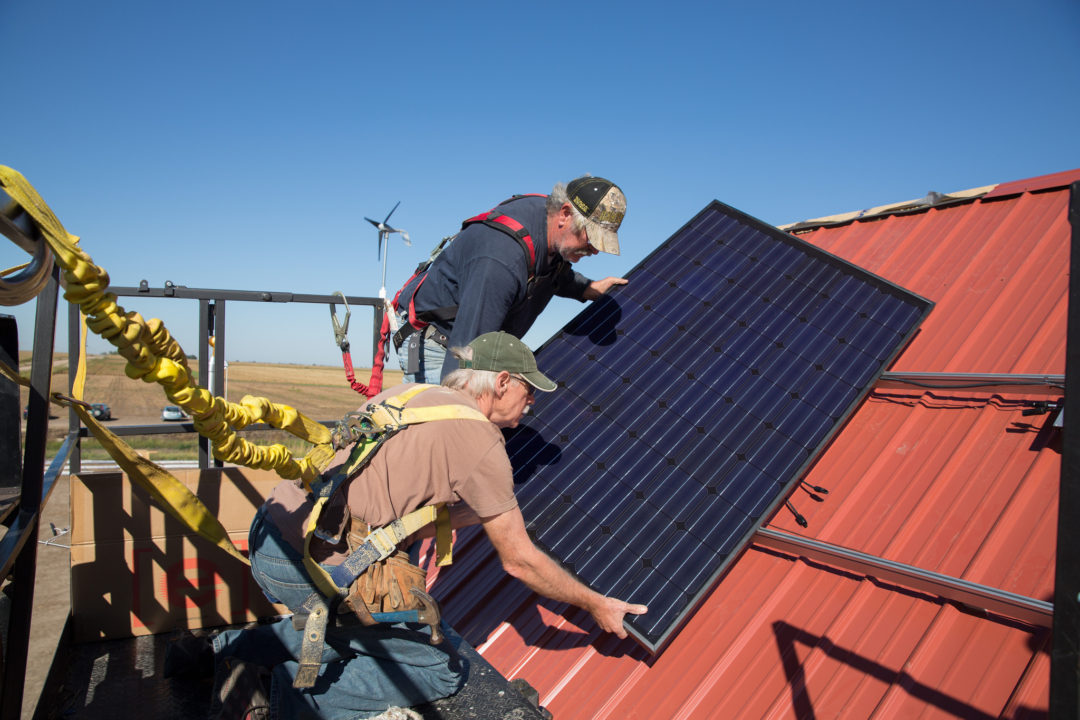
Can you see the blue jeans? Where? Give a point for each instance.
(364, 670)
(430, 356)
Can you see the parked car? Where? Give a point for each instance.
(100, 411)
(172, 412)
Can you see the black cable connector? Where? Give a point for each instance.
(1040, 407)
(812, 491)
(798, 518)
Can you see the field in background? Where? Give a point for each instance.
(320, 392)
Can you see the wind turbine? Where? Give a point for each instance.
(384, 237)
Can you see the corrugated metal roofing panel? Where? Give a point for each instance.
(1042, 182)
(998, 265)
(959, 483)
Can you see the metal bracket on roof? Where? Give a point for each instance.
(1000, 602)
(1034, 384)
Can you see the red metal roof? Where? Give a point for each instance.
(957, 482)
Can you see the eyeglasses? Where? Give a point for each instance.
(528, 385)
(589, 247)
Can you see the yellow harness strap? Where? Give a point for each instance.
(391, 415)
(170, 494)
(153, 355)
(13, 375)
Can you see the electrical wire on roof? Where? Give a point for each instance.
(798, 518)
(812, 491)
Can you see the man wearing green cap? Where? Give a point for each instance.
(503, 268)
(460, 461)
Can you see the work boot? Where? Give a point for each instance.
(530, 693)
(189, 655)
(240, 691)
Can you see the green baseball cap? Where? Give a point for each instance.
(498, 351)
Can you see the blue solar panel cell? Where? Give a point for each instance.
(642, 580)
(691, 400)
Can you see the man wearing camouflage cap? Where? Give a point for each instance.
(503, 268)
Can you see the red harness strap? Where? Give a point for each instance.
(511, 227)
(503, 223)
(374, 386)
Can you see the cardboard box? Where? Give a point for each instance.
(136, 570)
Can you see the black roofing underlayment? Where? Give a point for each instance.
(691, 401)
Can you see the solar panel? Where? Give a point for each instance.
(690, 402)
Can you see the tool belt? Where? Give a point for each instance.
(391, 586)
(430, 331)
(415, 338)
(386, 586)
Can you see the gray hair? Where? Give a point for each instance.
(557, 199)
(474, 382)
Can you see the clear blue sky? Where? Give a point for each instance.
(240, 144)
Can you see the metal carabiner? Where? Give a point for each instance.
(354, 427)
(341, 330)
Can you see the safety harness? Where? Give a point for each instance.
(421, 322)
(493, 219)
(368, 429)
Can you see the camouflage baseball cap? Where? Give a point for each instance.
(603, 204)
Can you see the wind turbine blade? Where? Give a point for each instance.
(392, 211)
(373, 222)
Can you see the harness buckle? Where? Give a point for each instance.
(352, 428)
(383, 540)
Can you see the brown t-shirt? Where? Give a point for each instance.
(442, 461)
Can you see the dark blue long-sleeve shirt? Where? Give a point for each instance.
(484, 273)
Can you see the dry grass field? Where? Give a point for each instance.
(320, 392)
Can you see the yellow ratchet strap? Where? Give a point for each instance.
(78, 386)
(153, 355)
(392, 414)
(169, 492)
(13, 375)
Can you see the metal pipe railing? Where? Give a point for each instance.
(211, 322)
(24, 529)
